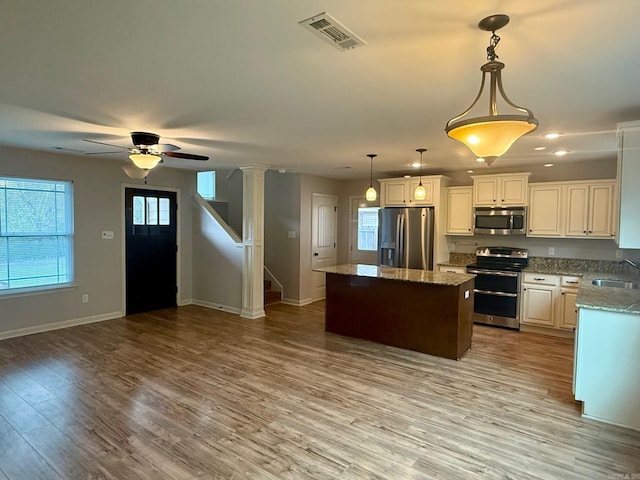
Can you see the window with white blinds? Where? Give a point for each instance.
(36, 233)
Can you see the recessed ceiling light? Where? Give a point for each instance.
(414, 165)
(560, 153)
(407, 176)
(552, 135)
(469, 171)
(548, 164)
(539, 148)
(479, 159)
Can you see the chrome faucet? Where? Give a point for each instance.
(633, 264)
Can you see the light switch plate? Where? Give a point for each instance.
(291, 234)
(107, 234)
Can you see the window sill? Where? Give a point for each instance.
(26, 292)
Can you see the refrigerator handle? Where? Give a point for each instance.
(423, 246)
(402, 261)
(398, 251)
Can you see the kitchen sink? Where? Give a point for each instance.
(601, 282)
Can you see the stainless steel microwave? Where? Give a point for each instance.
(500, 220)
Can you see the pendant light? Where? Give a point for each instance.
(420, 193)
(491, 136)
(371, 194)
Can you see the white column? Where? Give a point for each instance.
(253, 241)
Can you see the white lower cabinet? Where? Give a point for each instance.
(549, 301)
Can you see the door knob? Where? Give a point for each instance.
(315, 254)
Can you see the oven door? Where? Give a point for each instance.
(496, 300)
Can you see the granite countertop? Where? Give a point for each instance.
(401, 274)
(611, 299)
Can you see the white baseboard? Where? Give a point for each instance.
(215, 306)
(19, 332)
(297, 303)
(554, 332)
(185, 302)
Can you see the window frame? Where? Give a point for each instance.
(67, 233)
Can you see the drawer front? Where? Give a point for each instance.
(542, 279)
(452, 269)
(570, 281)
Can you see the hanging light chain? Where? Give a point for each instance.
(491, 49)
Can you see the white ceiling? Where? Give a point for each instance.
(240, 81)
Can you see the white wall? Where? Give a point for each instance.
(98, 205)
(229, 189)
(282, 215)
(217, 271)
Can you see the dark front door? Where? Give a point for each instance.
(151, 249)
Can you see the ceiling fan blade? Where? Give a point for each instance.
(188, 156)
(108, 144)
(166, 147)
(101, 153)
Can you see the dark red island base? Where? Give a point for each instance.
(421, 310)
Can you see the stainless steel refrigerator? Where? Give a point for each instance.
(405, 237)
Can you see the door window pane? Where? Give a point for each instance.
(152, 210)
(138, 210)
(165, 217)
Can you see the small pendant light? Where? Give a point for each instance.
(371, 194)
(420, 192)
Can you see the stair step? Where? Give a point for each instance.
(271, 296)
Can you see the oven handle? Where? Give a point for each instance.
(493, 272)
(497, 294)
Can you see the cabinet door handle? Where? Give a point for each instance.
(584, 231)
(562, 293)
(539, 279)
(571, 281)
(590, 231)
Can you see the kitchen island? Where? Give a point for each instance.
(421, 310)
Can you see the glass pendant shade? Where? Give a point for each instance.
(491, 136)
(145, 161)
(420, 193)
(371, 194)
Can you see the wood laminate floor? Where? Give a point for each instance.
(192, 393)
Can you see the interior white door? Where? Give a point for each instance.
(362, 250)
(323, 239)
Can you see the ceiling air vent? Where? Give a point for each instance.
(332, 31)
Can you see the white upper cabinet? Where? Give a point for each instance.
(589, 210)
(500, 190)
(395, 192)
(629, 184)
(545, 211)
(459, 211)
(573, 209)
(400, 192)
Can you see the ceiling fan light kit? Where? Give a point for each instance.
(145, 161)
(491, 136)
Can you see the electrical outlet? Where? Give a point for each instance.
(552, 251)
(107, 234)
(85, 298)
(619, 254)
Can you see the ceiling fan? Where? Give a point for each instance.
(146, 152)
